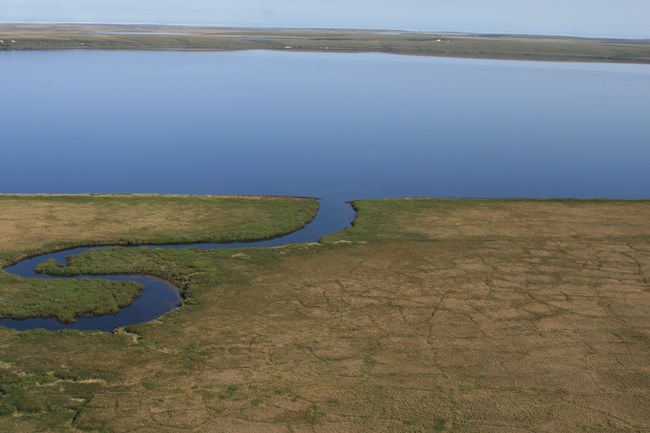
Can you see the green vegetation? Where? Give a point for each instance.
(50, 399)
(428, 315)
(518, 47)
(64, 300)
(36, 224)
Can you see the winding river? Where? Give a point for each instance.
(159, 296)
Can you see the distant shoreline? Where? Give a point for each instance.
(21, 37)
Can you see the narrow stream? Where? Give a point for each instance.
(160, 296)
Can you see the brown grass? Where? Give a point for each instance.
(31, 223)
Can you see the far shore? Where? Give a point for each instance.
(20, 37)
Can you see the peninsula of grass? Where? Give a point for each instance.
(427, 315)
(489, 46)
(33, 224)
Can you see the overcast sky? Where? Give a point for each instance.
(610, 18)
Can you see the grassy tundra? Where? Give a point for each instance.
(515, 47)
(427, 315)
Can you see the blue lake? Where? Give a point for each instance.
(334, 126)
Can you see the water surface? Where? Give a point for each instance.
(335, 126)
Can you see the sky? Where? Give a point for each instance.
(605, 18)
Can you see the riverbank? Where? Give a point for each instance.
(143, 37)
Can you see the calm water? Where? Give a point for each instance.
(334, 126)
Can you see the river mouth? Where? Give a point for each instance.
(159, 296)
